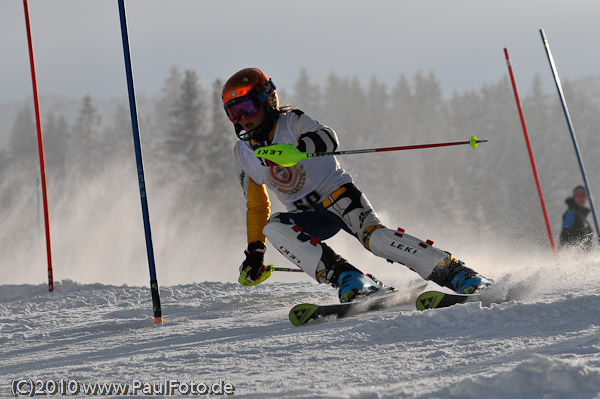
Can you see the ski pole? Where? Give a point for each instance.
(265, 275)
(273, 268)
(288, 155)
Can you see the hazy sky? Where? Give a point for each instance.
(78, 46)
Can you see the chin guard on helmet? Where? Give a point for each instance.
(260, 134)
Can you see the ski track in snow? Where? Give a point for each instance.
(542, 343)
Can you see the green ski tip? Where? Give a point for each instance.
(429, 300)
(300, 314)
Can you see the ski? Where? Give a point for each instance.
(437, 299)
(305, 312)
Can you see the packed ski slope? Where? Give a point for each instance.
(543, 342)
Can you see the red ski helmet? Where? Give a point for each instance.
(246, 91)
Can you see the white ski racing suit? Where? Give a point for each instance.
(321, 199)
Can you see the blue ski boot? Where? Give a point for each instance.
(469, 283)
(452, 273)
(353, 284)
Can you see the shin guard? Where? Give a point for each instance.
(300, 248)
(403, 248)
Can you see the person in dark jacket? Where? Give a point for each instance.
(576, 230)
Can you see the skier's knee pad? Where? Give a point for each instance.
(403, 248)
(355, 210)
(298, 247)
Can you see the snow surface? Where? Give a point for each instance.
(543, 342)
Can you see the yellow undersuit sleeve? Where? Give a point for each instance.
(257, 212)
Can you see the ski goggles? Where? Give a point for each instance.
(244, 105)
(249, 104)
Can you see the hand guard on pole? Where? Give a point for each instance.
(253, 271)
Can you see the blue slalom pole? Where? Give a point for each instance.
(570, 126)
(140, 166)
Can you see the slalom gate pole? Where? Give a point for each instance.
(140, 166)
(533, 168)
(570, 126)
(38, 124)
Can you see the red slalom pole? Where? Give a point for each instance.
(38, 124)
(533, 168)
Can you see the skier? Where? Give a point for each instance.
(321, 199)
(576, 230)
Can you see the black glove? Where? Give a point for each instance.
(253, 265)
